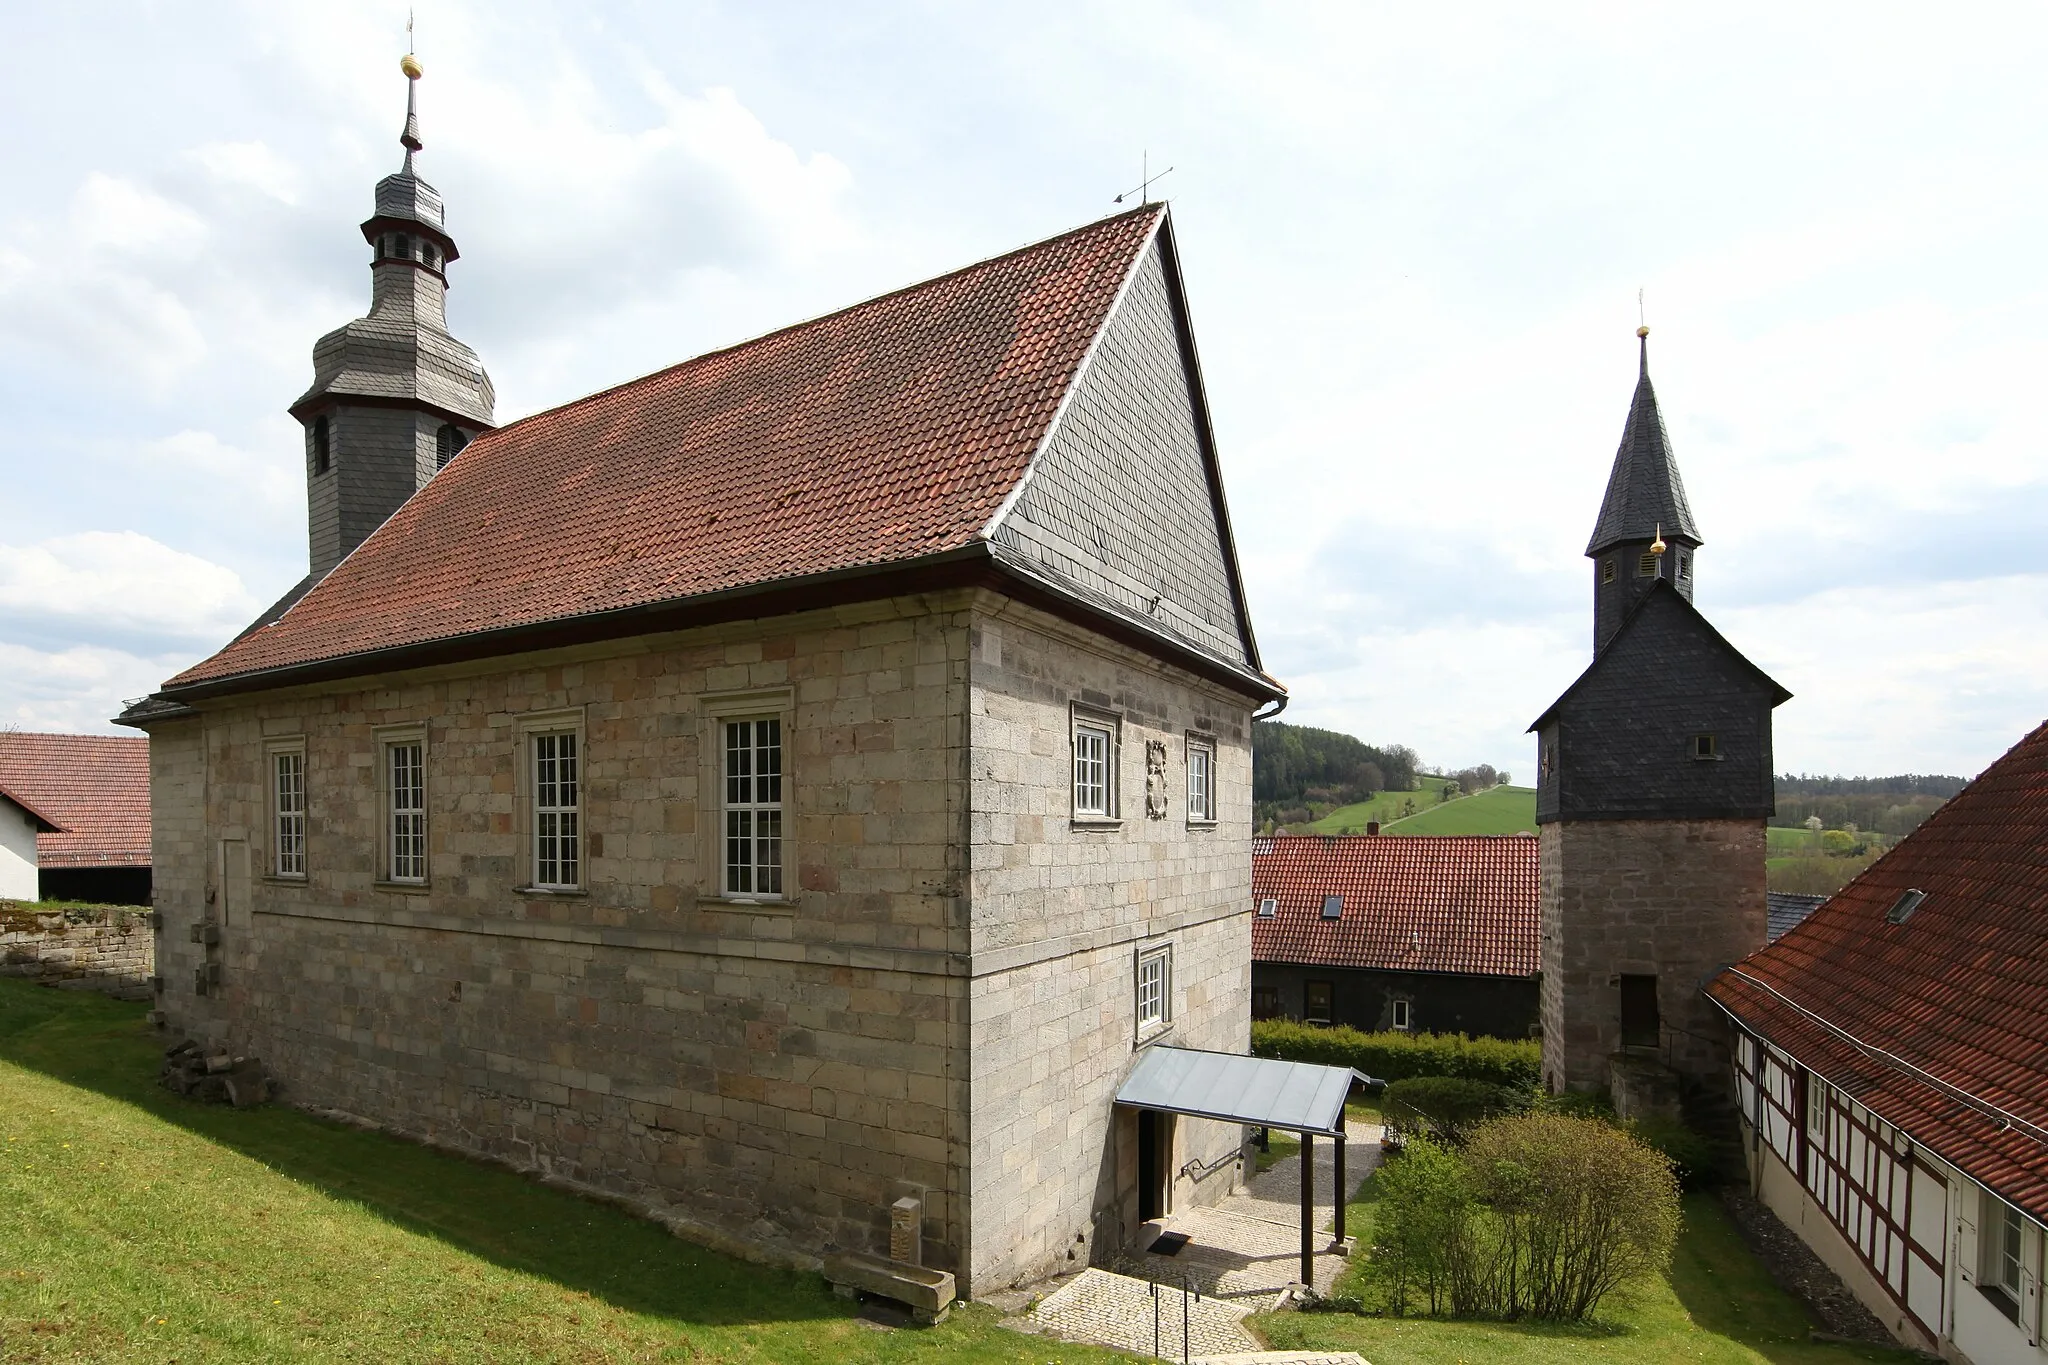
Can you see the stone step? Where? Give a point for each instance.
(1104, 1308)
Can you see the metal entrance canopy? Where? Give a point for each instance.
(1295, 1096)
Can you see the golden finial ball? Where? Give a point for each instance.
(1642, 331)
(410, 65)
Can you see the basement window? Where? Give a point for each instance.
(1268, 907)
(1706, 748)
(1333, 907)
(1903, 908)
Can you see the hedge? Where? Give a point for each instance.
(1397, 1056)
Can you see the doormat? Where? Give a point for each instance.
(1169, 1244)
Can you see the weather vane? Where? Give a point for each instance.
(1642, 322)
(1144, 189)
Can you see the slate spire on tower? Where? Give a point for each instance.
(1645, 530)
(394, 395)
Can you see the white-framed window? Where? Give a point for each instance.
(753, 806)
(557, 757)
(1269, 906)
(288, 810)
(2000, 1238)
(1095, 767)
(1201, 781)
(1404, 1017)
(405, 809)
(1155, 988)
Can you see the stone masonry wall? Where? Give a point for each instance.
(1061, 909)
(1675, 898)
(781, 1072)
(105, 948)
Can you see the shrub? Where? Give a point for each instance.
(1697, 1160)
(1422, 1226)
(1447, 1107)
(1393, 1056)
(1574, 1208)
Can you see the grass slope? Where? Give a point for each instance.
(1500, 810)
(1717, 1306)
(136, 1225)
(1383, 807)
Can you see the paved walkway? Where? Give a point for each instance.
(1108, 1309)
(1249, 1245)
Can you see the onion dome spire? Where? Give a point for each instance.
(410, 137)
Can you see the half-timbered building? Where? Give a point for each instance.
(1888, 1061)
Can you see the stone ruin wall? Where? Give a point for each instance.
(102, 948)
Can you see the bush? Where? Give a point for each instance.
(1447, 1107)
(1574, 1209)
(1422, 1225)
(1395, 1056)
(1698, 1161)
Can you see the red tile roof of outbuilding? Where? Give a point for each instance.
(887, 432)
(1412, 903)
(96, 787)
(1938, 1024)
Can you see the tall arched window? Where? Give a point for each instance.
(316, 438)
(448, 443)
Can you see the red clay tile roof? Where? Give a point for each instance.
(96, 787)
(1413, 903)
(885, 433)
(1938, 1024)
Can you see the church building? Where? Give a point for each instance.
(1654, 786)
(788, 789)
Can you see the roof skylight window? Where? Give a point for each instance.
(1268, 907)
(1903, 908)
(1333, 907)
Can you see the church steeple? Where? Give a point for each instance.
(1645, 531)
(394, 395)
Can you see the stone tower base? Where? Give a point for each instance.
(1672, 899)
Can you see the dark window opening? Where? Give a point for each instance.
(1684, 567)
(448, 443)
(1607, 572)
(1903, 908)
(1640, 1025)
(1318, 998)
(1265, 1002)
(1646, 567)
(322, 454)
(431, 255)
(1705, 746)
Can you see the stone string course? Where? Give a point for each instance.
(941, 1010)
(104, 948)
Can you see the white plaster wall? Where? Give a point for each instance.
(17, 853)
(1982, 1334)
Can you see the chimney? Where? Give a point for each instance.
(1372, 827)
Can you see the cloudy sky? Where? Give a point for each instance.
(1413, 243)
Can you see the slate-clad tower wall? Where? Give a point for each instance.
(1654, 785)
(394, 396)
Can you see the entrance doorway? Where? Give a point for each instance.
(1155, 1164)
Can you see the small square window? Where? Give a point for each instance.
(1265, 1002)
(1333, 907)
(1155, 984)
(1318, 1001)
(1403, 1019)
(1903, 908)
(1705, 747)
(1268, 907)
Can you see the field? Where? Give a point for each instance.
(140, 1226)
(1502, 810)
(1384, 807)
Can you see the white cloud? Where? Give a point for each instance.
(115, 586)
(251, 166)
(78, 689)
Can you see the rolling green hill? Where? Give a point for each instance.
(1384, 807)
(1502, 810)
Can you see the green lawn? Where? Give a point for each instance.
(1786, 841)
(1717, 1305)
(1501, 810)
(1384, 807)
(135, 1225)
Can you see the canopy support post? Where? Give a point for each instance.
(1308, 1210)
(1340, 1178)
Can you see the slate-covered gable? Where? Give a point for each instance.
(1120, 505)
(1618, 744)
